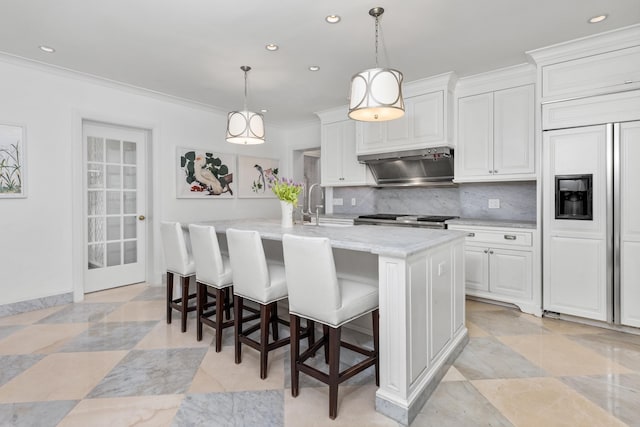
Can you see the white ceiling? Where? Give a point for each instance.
(193, 49)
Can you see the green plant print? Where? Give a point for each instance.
(206, 173)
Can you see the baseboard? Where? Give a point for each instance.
(35, 304)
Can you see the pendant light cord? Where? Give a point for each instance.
(377, 24)
(245, 90)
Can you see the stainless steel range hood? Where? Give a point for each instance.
(427, 167)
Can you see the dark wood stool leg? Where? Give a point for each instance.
(334, 370)
(311, 328)
(237, 325)
(227, 301)
(169, 295)
(376, 343)
(200, 302)
(274, 321)
(295, 353)
(264, 338)
(184, 305)
(219, 309)
(325, 331)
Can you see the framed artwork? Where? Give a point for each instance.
(12, 161)
(252, 176)
(204, 174)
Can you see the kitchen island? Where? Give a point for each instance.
(420, 276)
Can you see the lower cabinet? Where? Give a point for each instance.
(499, 265)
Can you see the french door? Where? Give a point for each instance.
(115, 194)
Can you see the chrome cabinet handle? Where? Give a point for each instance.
(495, 171)
(486, 251)
(471, 234)
(490, 171)
(490, 252)
(509, 237)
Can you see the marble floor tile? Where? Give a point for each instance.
(356, 407)
(623, 349)
(120, 294)
(504, 322)
(475, 330)
(617, 394)
(147, 372)
(245, 408)
(30, 316)
(5, 331)
(218, 372)
(543, 402)
(109, 336)
(564, 327)
(137, 311)
(81, 313)
(60, 376)
(170, 336)
(152, 293)
(453, 375)
(560, 356)
(35, 414)
(139, 411)
(488, 358)
(14, 365)
(455, 404)
(41, 338)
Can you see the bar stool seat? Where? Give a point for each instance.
(316, 293)
(179, 261)
(213, 270)
(263, 283)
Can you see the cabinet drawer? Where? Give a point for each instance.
(597, 74)
(499, 237)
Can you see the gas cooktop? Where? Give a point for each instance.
(426, 221)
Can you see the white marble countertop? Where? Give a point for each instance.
(398, 242)
(492, 223)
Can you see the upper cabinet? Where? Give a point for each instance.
(426, 122)
(496, 129)
(595, 65)
(338, 162)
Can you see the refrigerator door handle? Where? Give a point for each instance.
(617, 216)
(611, 314)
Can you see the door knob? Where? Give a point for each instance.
(141, 218)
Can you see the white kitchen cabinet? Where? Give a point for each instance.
(338, 162)
(423, 125)
(499, 265)
(495, 140)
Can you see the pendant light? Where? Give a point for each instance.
(376, 93)
(245, 127)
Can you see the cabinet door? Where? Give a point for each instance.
(353, 172)
(630, 223)
(513, 139)
(427, 117)
(511, 273)
(331, 153)
(475, 136)
(476, 268)
(370, 137)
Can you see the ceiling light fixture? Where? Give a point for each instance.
(245, 127)
(376, 93)
(597, 19)
(333, 19)
(314, 68)
(272, 47)
(47, 49)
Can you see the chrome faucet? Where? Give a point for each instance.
(311, 187)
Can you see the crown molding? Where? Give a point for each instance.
(503, 78)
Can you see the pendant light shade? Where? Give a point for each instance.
(376, 93)
(245, 127)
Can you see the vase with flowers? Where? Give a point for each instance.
(287, 191)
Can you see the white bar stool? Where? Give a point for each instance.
(316, 293)
(179, 261)
(261, 283)
(212, 271)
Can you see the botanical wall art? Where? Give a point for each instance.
(253, 175)
(12, 166)
(202, 174)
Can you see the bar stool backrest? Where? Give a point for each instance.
(176, 252)
(206, 254)
(248, 263)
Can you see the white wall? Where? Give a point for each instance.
(37, 234)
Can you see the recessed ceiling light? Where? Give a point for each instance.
(314, 68)
(597, 19)
(332, 19)
(272, 47)
(264, 110)
(47, 49)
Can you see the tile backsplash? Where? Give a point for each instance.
(517, 200)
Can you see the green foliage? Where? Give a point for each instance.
(213, 164)
(10, 169)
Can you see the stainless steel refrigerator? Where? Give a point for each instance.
(591, 222)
